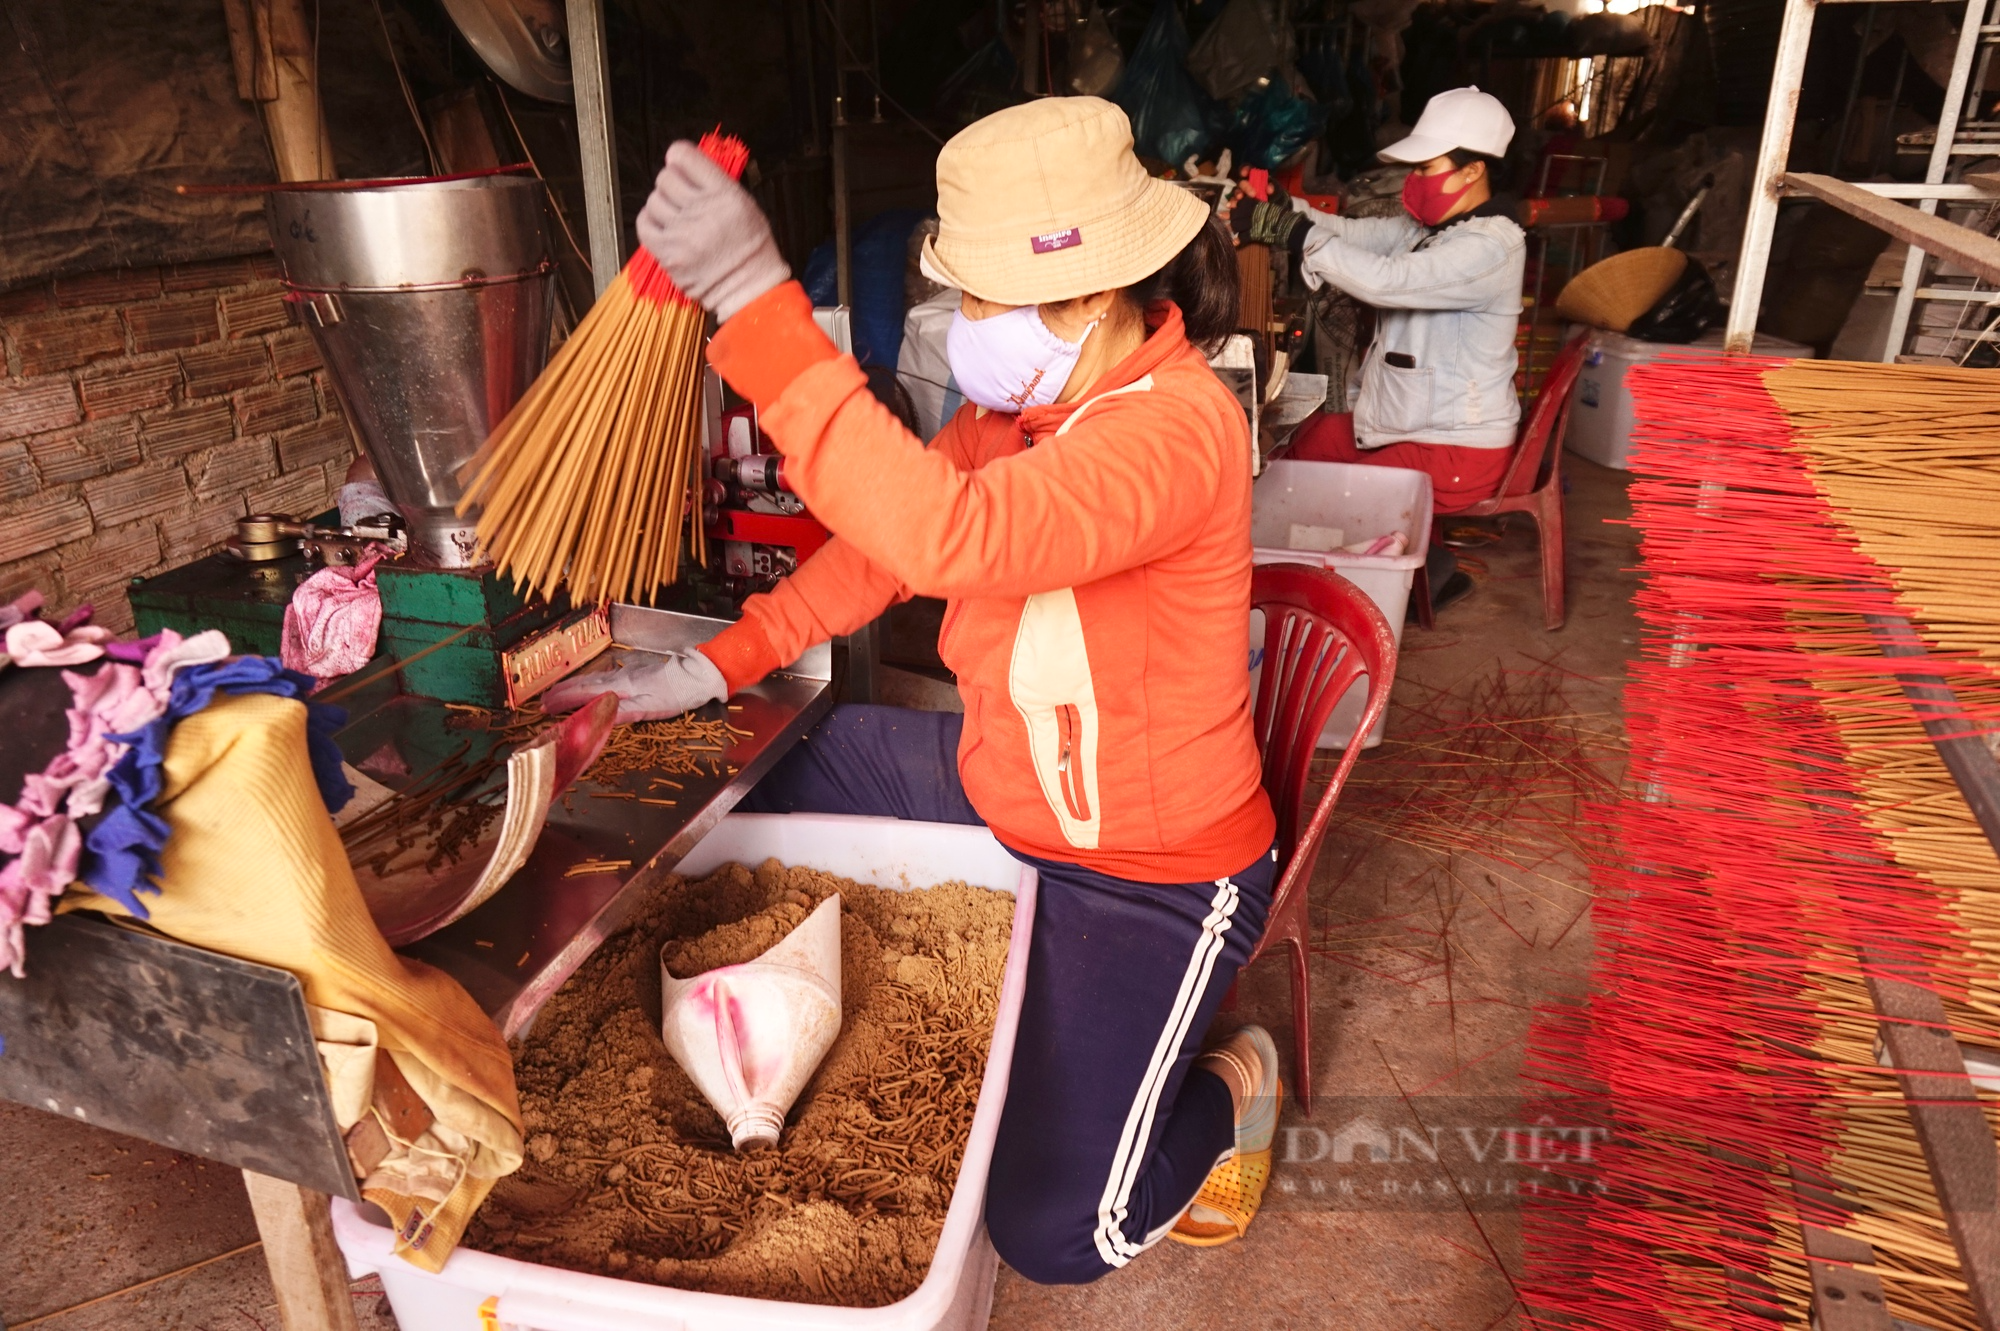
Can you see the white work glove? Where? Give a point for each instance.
(709, 234)
(649, 691)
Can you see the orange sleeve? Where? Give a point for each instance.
(1131, 481)
(836, 591)
(769, 343)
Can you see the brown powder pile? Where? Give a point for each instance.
(629, 1170)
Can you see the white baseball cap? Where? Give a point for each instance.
(1459, 118)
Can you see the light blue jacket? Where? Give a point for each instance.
(1448, 299)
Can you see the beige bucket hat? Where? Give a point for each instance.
(1046, 201)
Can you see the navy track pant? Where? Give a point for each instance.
(1109, 1129)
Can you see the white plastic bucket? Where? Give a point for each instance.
(1600, 413)
(956, 1294)
(1364, 502)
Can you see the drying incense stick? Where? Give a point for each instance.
(1803, 836)
(589, 482)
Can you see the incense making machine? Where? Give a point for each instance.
(756, 524)
(429, 303)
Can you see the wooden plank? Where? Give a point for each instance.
(250, 49)
(294, 120)
(1923, 230)
(307, 1270)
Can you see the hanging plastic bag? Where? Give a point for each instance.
(1324, 66)
(1238, 49)
(1271, 124)
(1165, 106)
(1095, 62)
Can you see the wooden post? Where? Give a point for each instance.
(590, 75)
(1780, 110)
(271, 47)
(307, 1269)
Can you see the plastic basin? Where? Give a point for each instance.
(957, 1292)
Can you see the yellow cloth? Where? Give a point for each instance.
(255, 868)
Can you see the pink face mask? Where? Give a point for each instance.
(1426, 198)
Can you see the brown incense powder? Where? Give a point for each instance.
(629, 1170)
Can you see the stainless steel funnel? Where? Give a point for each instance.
(430, 306)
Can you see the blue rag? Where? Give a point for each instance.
(121, 855)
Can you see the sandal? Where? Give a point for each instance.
(1234, 1190)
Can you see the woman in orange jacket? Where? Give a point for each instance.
(1087, 517)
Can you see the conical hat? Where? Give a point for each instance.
(1613, 293)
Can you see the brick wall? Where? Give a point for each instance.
(144, 410)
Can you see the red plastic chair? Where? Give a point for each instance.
(1321, 634)
(1524, 489)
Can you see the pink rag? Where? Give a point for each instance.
(39, 828)
(331, 624)
(34, 643)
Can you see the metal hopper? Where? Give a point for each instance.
(429, 302)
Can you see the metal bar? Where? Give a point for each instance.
(590, 72)
(1925, 231)
(1971, 764)
(1780, 111)
(1843, 1298)
(843, 221)
(1951, 1127)
(1948, 117)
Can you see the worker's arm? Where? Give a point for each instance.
(1466, 271)
(835, 591)
(1035, 521)
(1376, 235)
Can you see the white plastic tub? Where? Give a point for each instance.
(1600, 414)
(957, 1293)
(1364, 502)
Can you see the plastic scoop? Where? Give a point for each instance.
(751, 1036)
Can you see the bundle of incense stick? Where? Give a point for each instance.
(1790, 836)
(589, 481)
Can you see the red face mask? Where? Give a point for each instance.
(1426, 198)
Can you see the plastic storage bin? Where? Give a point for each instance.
(1600, 417)
(1364, 502)
(955, 1295)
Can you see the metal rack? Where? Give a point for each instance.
(1928, 234)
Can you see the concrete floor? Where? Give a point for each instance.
(94, 1215)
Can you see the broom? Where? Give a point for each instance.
(589, 480)
(1806, 840)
